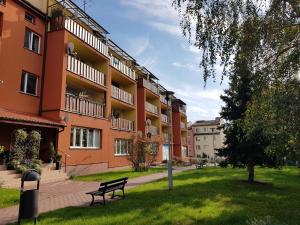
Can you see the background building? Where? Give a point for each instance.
(207, 136)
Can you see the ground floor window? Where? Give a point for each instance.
(154, 148)
(123, 146)
(85, 137)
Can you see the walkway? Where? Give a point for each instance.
(72, 193)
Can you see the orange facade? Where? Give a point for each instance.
(93, 96)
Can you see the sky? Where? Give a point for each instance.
(149, 31)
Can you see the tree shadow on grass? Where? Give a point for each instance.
(207, 202)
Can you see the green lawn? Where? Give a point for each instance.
(207, 196)
(8, 197)
(118, 174)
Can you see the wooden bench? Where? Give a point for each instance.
(107, 187)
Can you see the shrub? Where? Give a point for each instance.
(33, 144)
(223, 164)
(18, 145)
(58, 157)
(265, 221)
(21, 168)
(36, 167)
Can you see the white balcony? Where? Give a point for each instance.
(122, 95)
(86, 36)
(151, 108)
(164, 118)
(183, 141)
(163, 99)
(182, 125)
(165, 137)
(153, 130)
(122, 124)
(150, 86)
(83, 107)
(114, 62)
(182, 109)
(76, 66)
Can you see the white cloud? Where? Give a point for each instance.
(189, 66)
(149, 61)
(138, 45)
(166, 27)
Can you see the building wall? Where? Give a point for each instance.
(14, 58)
(205, 141)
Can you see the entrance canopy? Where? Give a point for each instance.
(11, 117)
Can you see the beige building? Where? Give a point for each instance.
(207, 137)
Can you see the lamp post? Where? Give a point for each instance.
(170, 176)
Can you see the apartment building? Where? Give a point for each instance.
(67, 79)
(207, 136)
(179, 127)
(190, 140)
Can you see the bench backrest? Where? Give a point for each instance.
(113, 184)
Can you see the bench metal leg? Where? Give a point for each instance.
(93, 200)
(123, 193)
(103, 199)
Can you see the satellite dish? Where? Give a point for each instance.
(70, 48)
(148, 122)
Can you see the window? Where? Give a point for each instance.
(154, 148)
(32, 41)
(85, 138)
(1, 23)
(30, 17)
(123, 146)
(29, 83)
(2, 2)
(204, 137)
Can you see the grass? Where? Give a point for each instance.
(118, 174)
(8, 197)
(210, 196)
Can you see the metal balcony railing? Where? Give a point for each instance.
(153, 130)
(183, 141)
(122, 124)
(86, 36)
(151, 108)
(163, 99)
(164, 118)
(122, 95)
(150, 86)
(165, 137)
(182, 125)
(76, 66)
(122, 67)
(84, 107)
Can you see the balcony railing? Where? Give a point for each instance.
(182, 125)
(84, 107)
(122, 67)
(151, 108)
(122, 95)
(163, 99)
(86, 36)
(84, 70)
(150, 86)
(164, 118)
(165, 137)
(122, 124)
(153, 130)
(183, 141)
(182, 109)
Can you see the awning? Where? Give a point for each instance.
(7, 116)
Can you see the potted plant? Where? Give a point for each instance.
(2, 154)
(58, 161)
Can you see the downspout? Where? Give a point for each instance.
(44, 62)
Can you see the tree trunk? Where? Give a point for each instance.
(250, 169)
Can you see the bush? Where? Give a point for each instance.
(58, 157)
(33, 144)
(21, 168)
(36, 167)
(223, 164)
(266, 221)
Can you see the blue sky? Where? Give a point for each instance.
(149, 31)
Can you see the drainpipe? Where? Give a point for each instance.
(44, 62)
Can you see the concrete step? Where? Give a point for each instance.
(2, 167)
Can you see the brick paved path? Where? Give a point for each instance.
(72, 193)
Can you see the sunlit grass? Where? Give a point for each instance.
(210, 196)
(8, 197)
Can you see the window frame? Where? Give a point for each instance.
(3, 2)
(75, 129)
(32, 33)
(26, 82)
(29, 14)
(119, 142)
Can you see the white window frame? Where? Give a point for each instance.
(93, 146)
(31, 41)
(118, 146)
(32, 20)
(26, 81)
